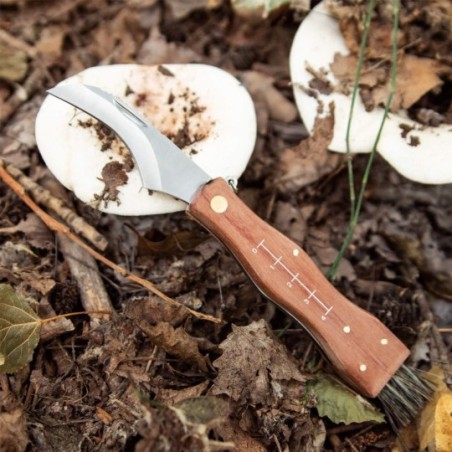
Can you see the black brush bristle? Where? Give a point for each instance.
(404, 396)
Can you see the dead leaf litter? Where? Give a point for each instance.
(152, 376)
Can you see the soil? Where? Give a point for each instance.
(152, 376)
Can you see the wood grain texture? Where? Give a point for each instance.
(365, 353)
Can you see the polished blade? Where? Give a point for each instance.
(162, 165)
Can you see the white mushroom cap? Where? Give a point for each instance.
(316, 42)
(197, 104)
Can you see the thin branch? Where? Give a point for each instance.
(59, 227)
(45, 198)
(72, 314)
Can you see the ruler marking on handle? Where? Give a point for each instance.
(295, 278)
(327, 312)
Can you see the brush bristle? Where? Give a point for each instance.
(404, 396)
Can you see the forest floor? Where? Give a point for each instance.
(152, 376)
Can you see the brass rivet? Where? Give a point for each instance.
(347, 329)
(296, 252)
(219, 204)
(384, 341)
(362, 367)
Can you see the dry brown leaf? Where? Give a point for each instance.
(186, 427)
(36, 232)
(13, 433)
(292, 220)
(379, 44)
(310, 160)
(175, 341)
(408, 439)
(435, 424)
(157, 50)
(153, 310)
(261, 88)
(344, 69)
(117, 40)
(203, 410)
(42, 283)
(256, 368)
(429, 259)
(103, 415)
(154, 243)
(243, 441)
(380, 40)
(50, 44)
(173, 396)
(415, 77)
(14, 64)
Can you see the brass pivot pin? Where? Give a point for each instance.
(219, 204)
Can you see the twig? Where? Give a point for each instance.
(72, 314)
(59, 227)
(427, 314)
(52, 329)
(17, 43)
(45, 198)
(83, 267)
(352, 446)
(22, 93)
(338, 429)
(275, 439)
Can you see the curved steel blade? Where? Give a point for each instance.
(162, 165)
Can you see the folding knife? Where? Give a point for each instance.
(364, 352)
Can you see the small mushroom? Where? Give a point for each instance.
(204, 110)
(418, 152)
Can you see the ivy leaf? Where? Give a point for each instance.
(19, 330)
(341, 404)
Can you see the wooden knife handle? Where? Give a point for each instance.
(365, 353)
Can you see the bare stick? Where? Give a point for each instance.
(45, 198)
(84, 269)
(52, 330)
(72, 314)
(22, 93)
(427, 314)
(59, 227)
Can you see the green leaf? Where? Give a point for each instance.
(19, 330)
(341, 404)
